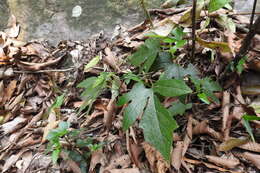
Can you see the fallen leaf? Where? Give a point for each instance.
(232, 143)
(177, 155)
(221, 46)
(225, 162)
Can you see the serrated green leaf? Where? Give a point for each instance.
(91, 64)
(156, 121)
(137, 97)
(171, 87)
(178, 108)
(158, 126)
(217, 4)
(145, 56)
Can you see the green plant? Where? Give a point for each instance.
(78, 148)
(246, 118)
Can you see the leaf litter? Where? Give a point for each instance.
(41, 85)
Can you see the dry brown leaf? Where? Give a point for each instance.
(13, 32)
(203, 128)
(15, 102)
(72, 164)
(155, 159)
(135, 151)
(251, 146)
(188, 136)
(52, 123)
(96, 158)
(11, 161)
(111, 60)
(109, 113)
(9, 90)
(196, 162)
(128, 170)
(225, 162)
(123, 161)
(232, 143)
(26, 159)
(254, 158)
(177, 155)
(225, 110)
(13, 125)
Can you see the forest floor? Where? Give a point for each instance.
(48, 125)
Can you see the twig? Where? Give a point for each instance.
(247, 41)
(44, 71)
(193, 28)
(252, 14)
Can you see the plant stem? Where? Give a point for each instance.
(147, 14)
(193, 28)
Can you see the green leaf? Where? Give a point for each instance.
(131, 76)
(64, 125)
(156, 121)
(226, 22)
(145, 56)
(178, 72)
(92, 63)
(251, 117)
(240, 65)
(217, 4)
(158, 126)
(248, 128)
(210, 85)
(178, 108)
(162, 61)
(137, 97)
(58, 102)
(55, 155)
(178, 33)
(203, 97)
(171, 87)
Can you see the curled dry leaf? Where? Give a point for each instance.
(111, 60)
(188, 136)
(203, 128)
(108, 114)
(128, 170)
(252, 157)
(226, 120)
(225, 162)
(177, 155)
(155, 159)
(13, 125)
(251, 146)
